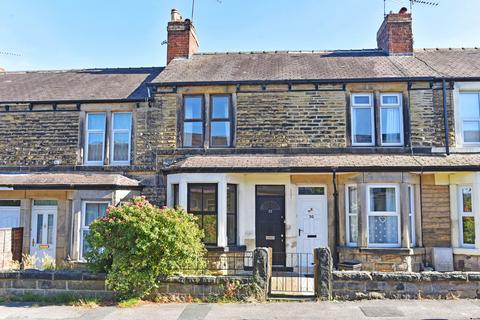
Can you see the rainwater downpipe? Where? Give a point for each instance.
(336, 216)
(445, 116)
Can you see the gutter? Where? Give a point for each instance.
(71, 187)
(82, 101)
(445, 117)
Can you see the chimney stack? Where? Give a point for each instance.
(395, 35)
(182, 38)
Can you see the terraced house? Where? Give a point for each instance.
(373, 153)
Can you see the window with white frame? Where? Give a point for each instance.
(411, 215)
(119, 139)
(94, 150)
(470, 117)
(351, 209)
(363, 132)
(91, 210)
(466, 217)
(383, 216)
(391, 119)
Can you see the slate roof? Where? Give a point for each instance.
(67, 180)
(326, 162)
(321, 65)
(75, 85)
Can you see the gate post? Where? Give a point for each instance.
(262, 268)
(323, 273)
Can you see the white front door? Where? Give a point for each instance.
(44, 229)
(312, 219)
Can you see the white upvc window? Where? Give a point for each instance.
(466, 217)
(411, 215)
(91, 210)
(95, 138)
(121, 137)
(351, 215)
(391, 119)
(383, 216)
(363, 122)
(470, 117)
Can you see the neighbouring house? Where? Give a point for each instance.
(373, 153)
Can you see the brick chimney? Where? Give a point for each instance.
(182, 38)
(395, 34)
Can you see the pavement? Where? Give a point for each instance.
(374, 310)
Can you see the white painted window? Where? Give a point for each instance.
(363, 123)
(467, 218)
(411, 215)
(383, 216)
(351, 210)
(91, 210)
(9, 213)
(391, 119)
(95, 140)
(470, 117)
(121, 137)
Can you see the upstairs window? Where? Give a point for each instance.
(193, 112)
(95, 149)
(220, 119)
(470, 117)
(362, 120)
(121, 136)
(391, 120)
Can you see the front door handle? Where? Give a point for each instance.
(300, 232)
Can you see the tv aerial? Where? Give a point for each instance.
(412, 2)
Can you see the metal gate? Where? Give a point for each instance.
(295, 278)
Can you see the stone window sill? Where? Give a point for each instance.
(467, 251)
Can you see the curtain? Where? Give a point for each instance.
(391, 125)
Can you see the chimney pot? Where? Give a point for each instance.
(175, 15)
(403, 10)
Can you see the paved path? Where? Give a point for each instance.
(374, 310)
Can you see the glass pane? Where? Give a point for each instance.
(45, 202)
(175, 195)
(95, 146)
(232, 198)
(362, 126)
(39, 228)
(391, 125)
(96, 121)
(9, 203)
(120, 146)
(382, 199)
(468, 230)
(390, 99)
(193, 134)
(383, 229)
(231, 227)
(209, 198)
(469, 105)
(210, 228)
(122, 121)
(220, 133)
(352, 200)
(85, 245)
(271, 191)
(353, 228)
(193, 107)
(411, 220)
(311, 191)
(471, 131)
(50, 229)
(94, 211)
(467, 199)
(195, 198)
(361, 100)
(220, 107)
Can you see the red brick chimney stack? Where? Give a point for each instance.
(395, 35)
(182, 38)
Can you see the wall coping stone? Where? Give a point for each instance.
(34, 274)
(351, 275)
(430, 276)
(204, 279)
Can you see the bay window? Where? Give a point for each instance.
(362, 120)
(411, 215)
(383, 216)
(202, 202)
(91, 210)
(351, 206)
(467, 218)
(391, 119)
(232, 214)
(470, 117)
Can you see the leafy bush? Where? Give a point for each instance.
(137, 242)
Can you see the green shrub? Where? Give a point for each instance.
(137, 242)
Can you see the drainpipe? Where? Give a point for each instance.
(445, 116)
(335, 216)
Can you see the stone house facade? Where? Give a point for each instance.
(373, 153)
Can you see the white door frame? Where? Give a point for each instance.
(300, 244)
(35, 248)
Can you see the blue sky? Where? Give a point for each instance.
(66, 34)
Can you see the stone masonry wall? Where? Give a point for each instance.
(291, 119)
